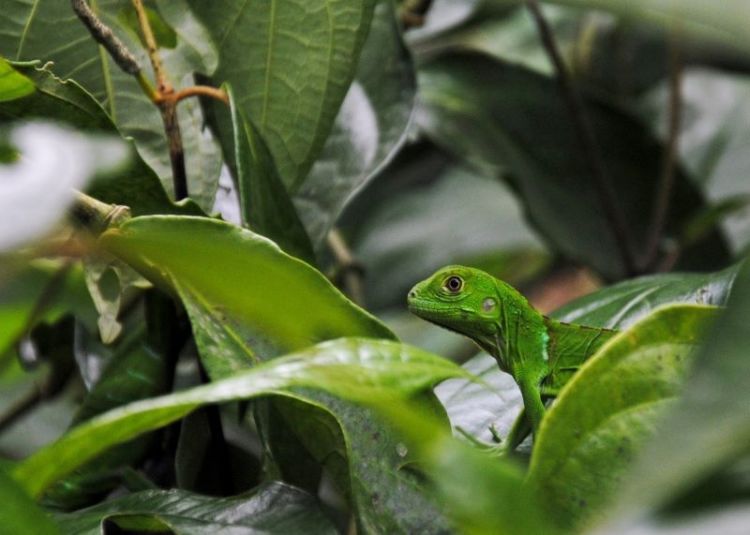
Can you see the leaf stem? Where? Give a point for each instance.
(348, 268)
(162, 82)
(585, 132)
(666, 182)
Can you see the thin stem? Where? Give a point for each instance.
(202, 91)
(167, 105)
(349, 269)
(95, 215)
(103, 34)
(585, 132)
(413, 13)
(162, 82)
(660, 211)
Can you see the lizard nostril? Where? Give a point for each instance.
(412, 294)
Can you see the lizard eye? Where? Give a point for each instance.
(453, 284)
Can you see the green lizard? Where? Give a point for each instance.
(539, 352)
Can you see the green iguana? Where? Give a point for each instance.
(539, 352)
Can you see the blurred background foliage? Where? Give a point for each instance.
(590, 152)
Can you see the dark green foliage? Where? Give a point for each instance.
(226, 363)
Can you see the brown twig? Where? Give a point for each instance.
(166, 103)
(413, 13)
(585, 132)
(348, 268)
(660, 211)
(162, 82)
(201, 91)
(104, 35)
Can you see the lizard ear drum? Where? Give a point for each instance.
(453, 284)
(489, 304)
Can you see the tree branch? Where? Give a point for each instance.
(103, 34)
(590, 148)
(348, 269)
(660, 211)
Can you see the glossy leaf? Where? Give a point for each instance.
(264, 202)
(358, 369)
(369, 129)
(18, 513)
(710, 425)
(48, 30)
(13, 84)
(486, 409)
(135, 184)
(290, 64)
(609, 408)
(272, 508)
(460, 109)
(620, 305)
(274, 284)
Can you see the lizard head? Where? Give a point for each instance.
(459, 298)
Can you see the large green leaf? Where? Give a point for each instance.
(620, 305)
(602, 417)
(48, 30)
(710, 426)
(460, 108)
(359, 369)
(265, 205)
(369, 129)
(13, 84)
(285, 305)
(18, 513)
(286, 300)
(290, 64)
(723, 23)
(272, 508)
(134, 184)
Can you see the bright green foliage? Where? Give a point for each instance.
(290, 63)
(600, 420)
(390, 369)
(225, 363)
(13, 84)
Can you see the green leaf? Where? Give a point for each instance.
(358, 369)
(141, 367)
(135, 184)
(710, 426)
(18, 513)
(482, 409)
(272, 508)
(264, 202)
(286, 300)
(35, 293)
(723, 25)
(460, 109)
(620, 305)
(369, 128)
(13, 84)
(608, 409)
(290, 64)
(48, 30)
(399, 240)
